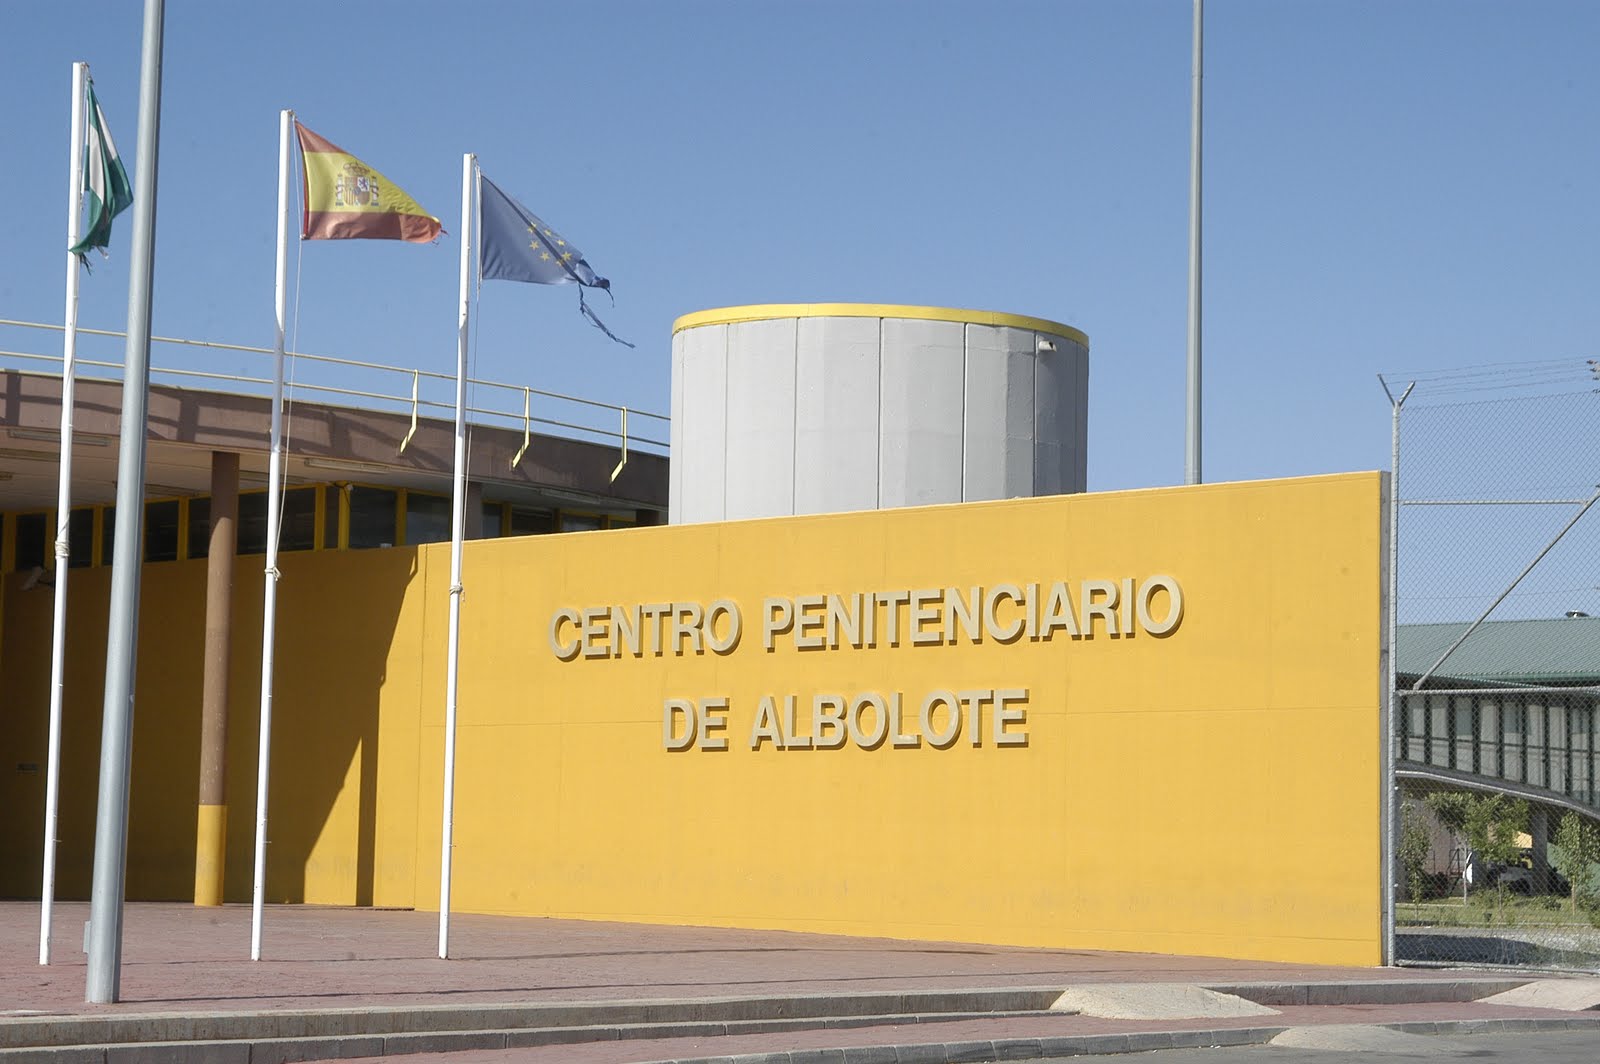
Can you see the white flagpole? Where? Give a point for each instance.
(269, 609)
(58, 631)
(458, 518)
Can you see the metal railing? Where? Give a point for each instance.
(584, 418)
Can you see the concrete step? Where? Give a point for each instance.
(553, 1023)
(279, 1037)
(345, 1047)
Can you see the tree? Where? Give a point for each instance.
(1575, 850)
(1492, 829)
(1453, 809)
(1413, 850)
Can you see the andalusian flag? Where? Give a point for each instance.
(345, 199)
(104, 180)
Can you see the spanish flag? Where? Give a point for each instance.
(345, 199)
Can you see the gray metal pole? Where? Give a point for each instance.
(116, 736)
(1191, 472)
(1389, 714)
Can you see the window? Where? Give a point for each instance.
(1489, 738)
(427, 518)
(1514, 718)
(80, 537)
(372, 517)
(491, 519)
(252, 526)
(200, 528)
(330, 516)
(1538, 751)
(297, 523)
(532, 522)
(161, 531)
(571, 522)
(30, 541)
(299, 528)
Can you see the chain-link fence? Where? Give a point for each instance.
(1496, 663)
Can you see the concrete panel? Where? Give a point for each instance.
(924, 380)
(761, 419)
(836, 415)
(1054, 380)
(675, 436)
(1080, 408)
(704, 430)
(997, 460)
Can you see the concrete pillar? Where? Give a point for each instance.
(1539, 841)
(211, 836)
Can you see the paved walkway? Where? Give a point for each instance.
(189, 964)
(179, 957)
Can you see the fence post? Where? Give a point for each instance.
(1390, 811)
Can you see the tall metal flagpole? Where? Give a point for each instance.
(58, 630)
(1192, 448)
(458, 515)
(122, 637)
(269, 608)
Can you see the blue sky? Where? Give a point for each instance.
(1390, 185)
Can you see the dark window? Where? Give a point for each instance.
(532, 522)
(330, 517)
(571, 522)
(299, 528)
(161, 531)
(427, 518)
(297, 523)
(200, 528)
(30, 541)
(80, 537)
(491, 519)
(252, 527)
(372, 517)
(108, 535)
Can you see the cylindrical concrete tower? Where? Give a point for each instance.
(826, 407)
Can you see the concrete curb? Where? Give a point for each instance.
(276, 1037)
(83, 1030)
(1372, 992)
(979, 1052)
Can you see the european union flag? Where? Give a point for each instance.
(516, 245)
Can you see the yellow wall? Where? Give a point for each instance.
(345, 730)
(1214, 791)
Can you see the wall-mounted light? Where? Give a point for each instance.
(37, 577)
(79, 439)
(351, 466)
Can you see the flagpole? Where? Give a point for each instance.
(458, 515)
(103, 972)
(1192, 439)
(58, 631)
(269, 608)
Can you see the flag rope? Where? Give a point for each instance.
(294, 363)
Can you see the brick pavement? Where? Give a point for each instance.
(179, 957)
(182, 960)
